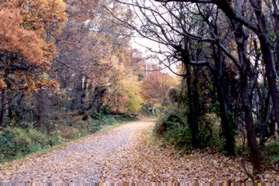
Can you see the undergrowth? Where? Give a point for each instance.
(16, 142)
(172, 127)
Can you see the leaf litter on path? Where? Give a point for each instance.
(125, 154)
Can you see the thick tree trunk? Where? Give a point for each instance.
(255, 154)
(276, 131)
(227, 122)
(265, 113)
(194, 106)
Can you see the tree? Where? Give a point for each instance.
(260, 27)
(125, 83)
(228, 42)
(28, 31)
(156, 86)
(94, 48)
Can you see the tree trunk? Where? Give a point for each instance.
(44, 110)
(272, 77)
(97, 100)
(256, 157)
(276, 28)
(227, 122)
(40, 109)
(276, 131)
(241, 41)
(2, 112)
(194, 106)
(78, 94)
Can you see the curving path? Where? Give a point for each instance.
(79, 161)
(123, 154)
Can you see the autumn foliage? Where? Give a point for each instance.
(156, 86)
(16, 39)
(27, 33)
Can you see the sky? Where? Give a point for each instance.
(142, 44)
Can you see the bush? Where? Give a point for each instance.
(38, 138)
(55, 139)
(67, 132)
(171, 117)
(180, 137)
(172, 126)
(272, 151)
(109, 120)
(146, 109)
(173, 129)
(209, 132)
(16, 142)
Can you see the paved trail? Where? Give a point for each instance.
(122, 154)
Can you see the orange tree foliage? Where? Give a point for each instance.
(28, 29)
(156, 86)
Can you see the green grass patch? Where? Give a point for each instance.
(16, 143)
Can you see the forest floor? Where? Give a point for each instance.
(126, 153)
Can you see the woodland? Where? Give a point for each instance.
(66, 70)
(208, 74)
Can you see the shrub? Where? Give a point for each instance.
(7, 146)
(272, 151)
(109, 120)
(209, 132)
(242, 150)
(169, 117)
(16, 142)
(38, 138)
(67, 132)
(172, 126)
(55, 139)
(146, 109)
(180, 137)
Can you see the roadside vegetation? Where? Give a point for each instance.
(16, 142)
(66, 72)
(209, 72)
(173, 128)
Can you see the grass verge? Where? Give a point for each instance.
(19, 143)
